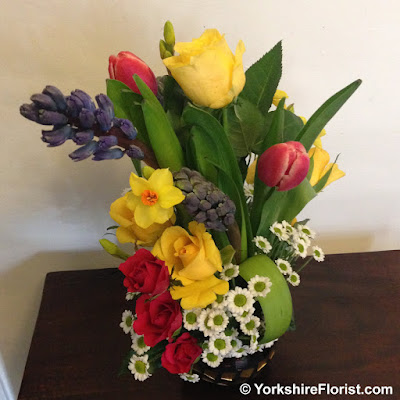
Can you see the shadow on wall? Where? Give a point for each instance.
(20, 293)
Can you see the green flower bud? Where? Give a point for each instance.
(169, 34)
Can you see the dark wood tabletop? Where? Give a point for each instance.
(347, 315)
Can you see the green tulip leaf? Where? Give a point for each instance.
(262, 79)
(277, 304)
(323, 115)
(163, 139)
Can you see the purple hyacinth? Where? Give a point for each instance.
(76, 117)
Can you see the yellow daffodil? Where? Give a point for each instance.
(129, 231)
(207, 71)
(195, 258)
(322, 166)
(153, 200)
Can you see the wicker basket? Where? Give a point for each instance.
(235, 371)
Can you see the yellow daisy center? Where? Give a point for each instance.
(149, 198)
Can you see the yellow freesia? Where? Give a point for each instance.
(153, 200)
(129, 231)
(251, 172)
(195, 259)
(322, 166)
(207, 71)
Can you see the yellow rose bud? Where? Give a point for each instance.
(129, 231)
(207, 71)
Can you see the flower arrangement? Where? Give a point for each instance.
(222, 168)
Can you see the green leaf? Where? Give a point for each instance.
(163, 139)
(113, 227)
(123, 370)
(244, 125)
(276, 130)
(277, 305)
(262, 79)
(227, 254)
(285, 205)
(324, 114)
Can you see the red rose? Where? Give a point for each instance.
(123, 66)
(145, 273)
(157, 319)
(179, 357)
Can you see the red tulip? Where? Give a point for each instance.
(284, 165)
(123, 66)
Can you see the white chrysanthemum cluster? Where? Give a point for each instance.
(127, 321)
(139, 367)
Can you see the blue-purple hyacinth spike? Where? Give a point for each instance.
(110, 154)
(126, 127)
(105, 142)
(84, 152)
(56, 137)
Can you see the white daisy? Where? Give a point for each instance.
(138, 344)
(300, 248)
(248, 190)
(218, 320)
(254, 342)
(236, 345)
(204, 324)
(211, 359)
(191, 318)
(306, 230)
(304, 238)
(279, 231)
(241, 317)
(130, 295)
(193, 378)
(294, 279)
(239, 300)
(127, 321)
(229, 272)
(259, 286)
(241, 352)
(268, 345)
(288, 228)
(318, 254)
(283, 266)
(139, 367)
(220, 345)
(220, 303)
(250, 324)
(262, 243)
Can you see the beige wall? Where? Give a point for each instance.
(53, 210)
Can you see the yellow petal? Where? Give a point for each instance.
(145, 215)
(251, 172)
(169, 196)
(318, 143)
(120, 213)
(335, 174)
(279, 94)
(125, 235)
(138, 185)
(160, 178)
(321, 159)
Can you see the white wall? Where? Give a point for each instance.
(53, 211)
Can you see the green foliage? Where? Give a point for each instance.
(227, 254)
(262, 79)
(276, 130)
(244, 126)
(162, 137)
(324, 114)
(277, 305)
(285, 205)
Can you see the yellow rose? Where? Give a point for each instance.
(195, 260)
(129, 231)
(322, 166)
(251, 172)
(207, 71)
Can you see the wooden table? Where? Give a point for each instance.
(347, 314)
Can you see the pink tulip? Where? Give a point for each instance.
(123, 66)
(284, 165)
